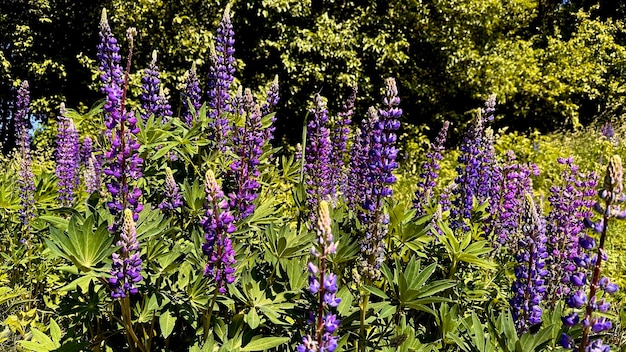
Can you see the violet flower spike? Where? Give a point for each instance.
(380, 161)
(192, 95)
(323, 285)
(430, 172)
(123, 163)
(218, 223)
(173, 198)
(150, 86)
(268, 107)
(68, 159)
(588, 260)
(126, 267)
(26, 179)
(529, 286)
(248, 146)
(317, 156)
(478, 174)
(339, 139)
(221, 77)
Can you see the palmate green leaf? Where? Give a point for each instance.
(264, 343)
(81, 245)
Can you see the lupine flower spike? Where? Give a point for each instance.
(323, 285)
(123, 161)
(150, 85)
(478, 175)
(339, 140)
(172, 199)
(92, 170)
(192, 95)
(217, 225)
(26, 180)
(317, 156)
(248, 143)
(268, 106)
(571, 203)
(67, 156)
(221, 77)
(126, 267)
(586, 309)
(381, 161)
(430, 172)
(530, 272)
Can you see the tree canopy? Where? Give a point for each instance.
(550, 63)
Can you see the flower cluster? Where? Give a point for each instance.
(173, 199)
(248, 144)
(358, 160)
(192, 95)
(430, 171)
(339, 138)
(584, 307)
(530, 272)
(150, 84)
(26, 180)
(123, 161)
(570, 204)
(317, 155)
(323, 284)
(217, 225)
(507, 207)
(92, 170)
(221, 77)
(380, 161)
(126, 267)
(68, 158)
(270, 102)
(478, 177)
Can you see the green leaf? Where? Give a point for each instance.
(264, 343)
(376, 291)
(167, 322)
(55, 331)
(252, 318)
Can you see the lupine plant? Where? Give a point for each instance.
(206, 251)
(587, 306)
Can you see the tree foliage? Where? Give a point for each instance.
(551, 63)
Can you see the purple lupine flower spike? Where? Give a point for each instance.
(478, 175)
(123, 163)
(192, 95)
(530, 272)
(163, 108)
(317, 155)
(323, 284)
(150, 85)
(588, 258)
(507, 206)
(248, 144)
(26, 180)
(126, 267)
(570, 204)
(91, 166)
(430, 171)
(339, 140)
(173, 198)
(217, 225)
(380, 161)
(268, 106)
(68, 158)
(221, 77)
